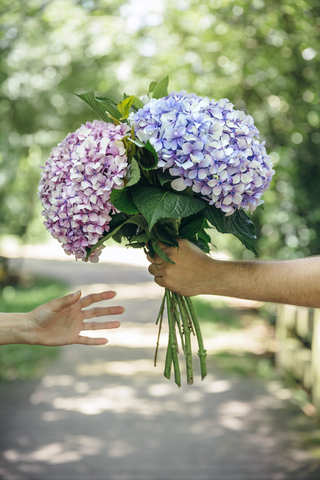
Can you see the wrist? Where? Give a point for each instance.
(219, 278)
(14, 328)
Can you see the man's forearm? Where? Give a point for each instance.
(295, 282)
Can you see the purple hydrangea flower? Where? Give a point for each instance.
(76, 184)
(209, 147)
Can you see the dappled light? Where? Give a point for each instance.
(152, 405)
(109, 408)
(109, 404)
(135, 367)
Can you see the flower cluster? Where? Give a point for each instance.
(208, 146)
(76, 184)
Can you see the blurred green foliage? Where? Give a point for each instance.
(262, 55)
(29, 293)
(25, 361)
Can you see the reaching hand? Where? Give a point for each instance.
(60, 321)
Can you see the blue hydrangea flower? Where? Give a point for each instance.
(208, 146)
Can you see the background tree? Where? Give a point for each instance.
(263, 56)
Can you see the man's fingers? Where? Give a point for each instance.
(156, 259)
(159, 281)
(155, 270)
(102, 311)
(96, 297)
(165, 248)
(91, 341)
(100, 325)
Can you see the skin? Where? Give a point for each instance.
(295, 282)
(59, 322)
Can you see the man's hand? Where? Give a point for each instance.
(190, 274)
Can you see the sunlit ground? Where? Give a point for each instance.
(107, 412)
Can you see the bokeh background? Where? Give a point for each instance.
(76, 412)
(262, 55)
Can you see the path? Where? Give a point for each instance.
(105, 413)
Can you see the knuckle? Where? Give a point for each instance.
(95, 312)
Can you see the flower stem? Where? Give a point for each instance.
(168, 363)
(177, 319)
(186, 331)
(181, 313)
(173, 340)
(201, 352)
(160, 317)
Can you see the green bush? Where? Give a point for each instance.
(260, 54)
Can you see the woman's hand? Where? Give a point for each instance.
(60, 321)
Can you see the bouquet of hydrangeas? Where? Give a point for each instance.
(156, 169)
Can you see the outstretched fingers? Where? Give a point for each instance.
(102, 311)
(58, 304)
(91, 341)
(100, 325)
(96, 297)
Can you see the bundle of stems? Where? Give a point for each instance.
(182, 318)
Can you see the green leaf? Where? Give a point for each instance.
(151, 86)
(142, 238)
(136, 245)
(200, 244)
(90, 99)
(116, 220)
(139, 220)
(128, 230)
(149, 158)
(202, 235)
(205, 223)
(166, 235)
(123, 201)
(164, 177)
(161, 89)
(106, 100)
(118, 236)
(134, 173)
(110, 107)
(190, 226)
(124, 107)
(137, 142)
(155, 203)
(137, 102)
(160, 252)
(238, 224)
(117, 223)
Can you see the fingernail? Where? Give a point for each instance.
(124, 309)
(77, 293)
